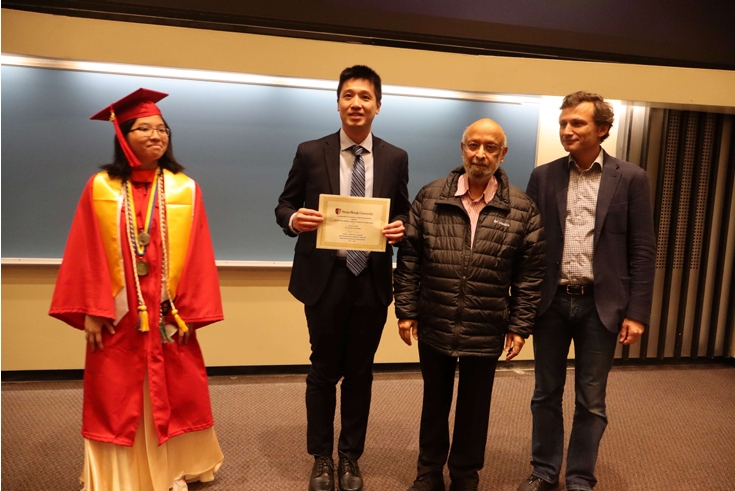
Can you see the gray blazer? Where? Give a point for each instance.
(624, 241)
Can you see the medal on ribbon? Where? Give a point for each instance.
(138, 242)
(142, 239)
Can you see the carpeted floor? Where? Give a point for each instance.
(671, 428)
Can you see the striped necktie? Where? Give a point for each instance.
(357, 260)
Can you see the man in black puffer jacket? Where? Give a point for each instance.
(466, 287)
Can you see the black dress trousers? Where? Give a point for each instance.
(345, 327)
(467, 454)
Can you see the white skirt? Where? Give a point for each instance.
(148, 466)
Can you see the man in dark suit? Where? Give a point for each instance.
(345, 293)
(598, 289)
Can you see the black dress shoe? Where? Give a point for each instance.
(429, 482)
(534, 483)
(462, 487)
(350, 478)
(322, 474)
(454, 487)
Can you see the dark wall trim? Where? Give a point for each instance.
(232, 371)
(35, 375)
(299, 20)
(51, 375)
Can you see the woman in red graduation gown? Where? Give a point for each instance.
(138, 276)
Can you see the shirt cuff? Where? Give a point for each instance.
(290, 225)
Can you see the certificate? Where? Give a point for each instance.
(353, 223)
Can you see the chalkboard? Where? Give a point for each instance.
(236, 140)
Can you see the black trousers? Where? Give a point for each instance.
(345, 327)
(467, 455)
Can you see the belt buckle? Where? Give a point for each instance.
(575, 290)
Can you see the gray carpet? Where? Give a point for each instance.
(671, 428)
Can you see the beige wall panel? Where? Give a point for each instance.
(264, 324)
(98, 40)
(31, 340)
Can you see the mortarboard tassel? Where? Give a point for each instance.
(143, 310)
(132, 159)
(179, 321)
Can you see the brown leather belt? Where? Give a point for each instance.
(577, 290)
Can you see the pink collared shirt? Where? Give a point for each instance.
(474, 207)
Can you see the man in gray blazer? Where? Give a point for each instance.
(345, 293)
(598, 289)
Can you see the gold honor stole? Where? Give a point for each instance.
(107, 198)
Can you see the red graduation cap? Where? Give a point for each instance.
(139, 104)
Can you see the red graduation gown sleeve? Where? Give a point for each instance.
(198, 296)
(83, 286)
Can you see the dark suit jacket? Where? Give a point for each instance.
(624, 241)
(315, 171)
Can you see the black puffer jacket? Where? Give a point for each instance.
(467, 298)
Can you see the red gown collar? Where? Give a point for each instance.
(142, 175)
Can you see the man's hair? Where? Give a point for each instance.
(360, 72)
(120, 167)
(603, 113)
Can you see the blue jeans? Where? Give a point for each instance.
(570, 318)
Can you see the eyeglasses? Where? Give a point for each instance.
(148, 131)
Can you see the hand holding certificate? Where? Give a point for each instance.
(352, 223)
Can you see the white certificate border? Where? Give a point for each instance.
(324, 202)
